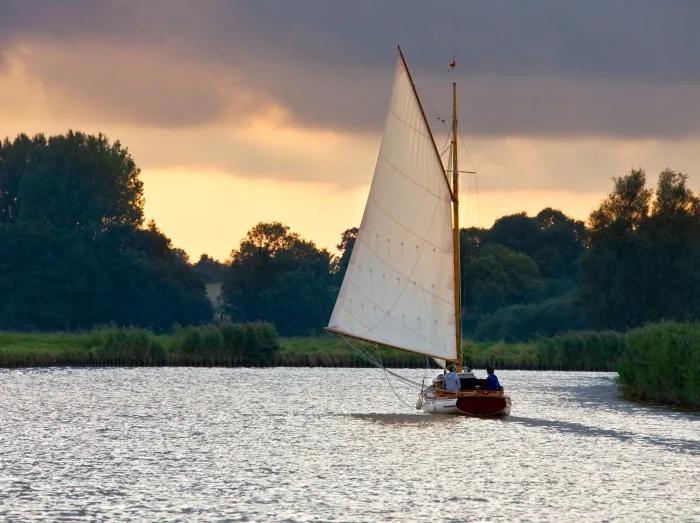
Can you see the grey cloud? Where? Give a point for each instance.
(600, 67)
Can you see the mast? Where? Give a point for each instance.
(455, 230)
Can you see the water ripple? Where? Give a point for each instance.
(281, 445)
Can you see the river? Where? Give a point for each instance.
(300, 444)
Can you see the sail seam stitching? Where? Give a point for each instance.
(397, 222)
(372, 329)
(407, 278)
(383, 156)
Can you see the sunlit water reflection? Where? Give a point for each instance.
(333, 445)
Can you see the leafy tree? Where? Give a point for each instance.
(347, 242)
(73, 250)
(276, 276)
(518, 232)
(643, 266)
(612, 271)
(560, 244)
(15, 158)
(549, 246)
(500, 276)
(208, 269)
(522, 322)
(82, 182)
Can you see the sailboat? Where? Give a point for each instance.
(401, 288)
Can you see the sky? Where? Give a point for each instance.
(242, 111)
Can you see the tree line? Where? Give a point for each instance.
(75, 253)
(74, 250)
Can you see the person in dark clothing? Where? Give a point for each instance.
(491, 380)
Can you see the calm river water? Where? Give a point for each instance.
(180, 444)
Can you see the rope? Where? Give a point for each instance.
(476, 179)
(389, 382)
(376, 361)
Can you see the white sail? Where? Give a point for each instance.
(399, 286)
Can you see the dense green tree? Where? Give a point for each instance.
(520, 322)
(643, 261)
(73, 249)
(498, 277)
(518, 232)
(208, 269)
(276, 276)
(561, 241)
(347, 242)
(82, 182)
(549, 246)
(15, 158)
(551, 238)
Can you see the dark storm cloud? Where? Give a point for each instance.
(597, 67)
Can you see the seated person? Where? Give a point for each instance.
(491, 380)
(451, 380)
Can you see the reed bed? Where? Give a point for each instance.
(661, 364)
(658, 363)
(257, 344)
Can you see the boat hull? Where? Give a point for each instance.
(470, 404)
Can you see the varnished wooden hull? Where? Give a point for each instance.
(478, 403)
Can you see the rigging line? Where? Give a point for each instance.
(446, 148)
(466, 150)
(389, 383)
(369, 358)
(442, 120)
(437, 114)
(476, 183)
(478, 207)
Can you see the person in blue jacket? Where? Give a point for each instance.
(451, 379)
(491, 380)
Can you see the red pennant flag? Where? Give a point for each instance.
(453, 64)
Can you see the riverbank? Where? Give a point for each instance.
(257, 345)
(656, 364)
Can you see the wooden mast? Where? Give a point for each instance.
(455, 203)
(455, 231)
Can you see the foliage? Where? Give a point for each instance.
(518, 262)
(208, 269)
(276, 276)
(75, 253)
(643, 265)
(661, 363)
(523, 322)
(130, 345)
(500, 276)
(73, 249)
(584, 350)
(347, 242)
(239, 342)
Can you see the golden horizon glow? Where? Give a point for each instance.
(229, 207)
(207, 185)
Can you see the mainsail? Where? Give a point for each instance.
(399, 286)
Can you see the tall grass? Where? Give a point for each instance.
(661, 364)
(585, 350)
(226, 344)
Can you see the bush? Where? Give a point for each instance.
(661, 363)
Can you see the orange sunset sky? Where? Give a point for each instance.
(245, 111)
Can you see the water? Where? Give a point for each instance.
(333, 445)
